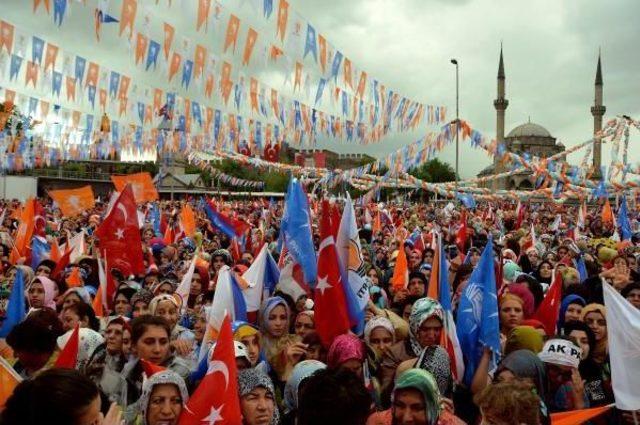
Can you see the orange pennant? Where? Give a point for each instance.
(274, 102)
(283, 16)
(204, 6)
(176, 59)
(71, 88)
(578, 416)
(124, 87)
(361, 84)
(226, 81)
(275, 53)
(198, 64)
(322, 43)
(253, 94)
(607, 213)
(44, 109)
(47, 5)
(141, 184)
(128, 16)
(298, 77)
(157, 99)
(31, 74)
(141, 46)
(50, 56)
(103, 99)
(188, 220)
(74, 280)
(347, 73)
(232, 32)
(400, 277)
(169, 33)
(209, 85)
(75, 119)
(208, 119)
(92, 74)
(123, 106)
(252, 36)
(6, 35)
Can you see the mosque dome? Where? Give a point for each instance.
(529, 129)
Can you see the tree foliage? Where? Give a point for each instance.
(435, 171)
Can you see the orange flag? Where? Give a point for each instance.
(31, 74)
(574, 417)
(71, 88)
(377, 225)
(6, 35)
(607, 213)
(174, 65)
(141, 184)
(252, 36)
(169, 32)
(92, 74)
(188, 220)
(74, 279)
(322, 44)
(97, 306)
(198, 64)
(361, 84)
(283, 16)
(73, 202)
(124, 87)
(226, 81)
(298, 77)
(400, 277)
(25, 231)
(9, 380)
(128, 16)
(434, 281)
(232, 32)
(253, 94)
(44, 109)
(50, 56)
(204, 6)
(141, 46)
(55, 255)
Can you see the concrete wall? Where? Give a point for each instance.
(18, 187)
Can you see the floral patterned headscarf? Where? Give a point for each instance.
(423, 309)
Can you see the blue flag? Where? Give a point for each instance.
(320, 91)
(37, 48)
(310, 45)
(296, 231)
(59, 9)
(623, 219)
(186, 73)
(582, 268)
(220, 222)
(478, 322)
(14, 67)
(152, 55)
(335, 66)
(16, 310)
(40, 250)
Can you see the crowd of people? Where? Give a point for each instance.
(139, 359)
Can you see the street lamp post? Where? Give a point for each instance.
(457, 122)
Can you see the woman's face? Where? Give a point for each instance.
(277, 321)
(121, 305)
(304, 325)
(70, 319)
(165, 405)
(583, 341)
(597, 323)
(354, 366)
(153, 345)
(126, 342)
(91, 414)
(429, 332)
(380, 339)
(511, 314)
(252, 342)
(36, 295)
(258, 407)
(196, 285)
(374, 277)
(545, 270)
(70, 299)
(113, 338)
(140, 308)
(573, 313)
(199, 327)
(169, 311)
(166, 289)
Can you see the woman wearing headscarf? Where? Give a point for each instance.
(257, 398)
(524, 338)
(595, 317)
(543, 272)
(168, 307)
(301, 372)
(379, 334)
(41, 292)
(347, 351)
(89, 340)
(304, 323)
(412, 388)
(570, 309)
(164, 395)
(515, 305)
(425, 327)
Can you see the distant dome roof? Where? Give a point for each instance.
(529, 129)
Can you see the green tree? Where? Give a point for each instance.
(434, 171)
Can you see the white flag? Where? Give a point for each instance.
(185, 285)
(623, 327)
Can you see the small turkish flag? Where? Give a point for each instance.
(216, 400)
(119, 235)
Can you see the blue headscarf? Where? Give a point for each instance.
(569, 299)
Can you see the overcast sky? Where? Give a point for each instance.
(550, 53)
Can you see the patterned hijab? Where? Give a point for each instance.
(378, 322)
(248, 379)
(436, 361)
(424, 382)
(344, 348)
(525, 364)
(89, 341)
(160, 378)
(301, 371)
(422, 309)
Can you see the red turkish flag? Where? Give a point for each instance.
(330, 308)
(461, 237)
(119, 235)
(549, 308)
(216, 400)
